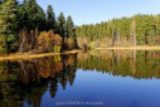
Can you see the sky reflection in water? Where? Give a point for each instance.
(119, 80)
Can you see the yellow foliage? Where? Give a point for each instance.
(56, 49)
(48, 41)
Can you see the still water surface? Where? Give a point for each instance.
(94, 79)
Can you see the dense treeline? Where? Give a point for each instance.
(137, 30)
(25, 26)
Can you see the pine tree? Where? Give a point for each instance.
(71, 32)
(31, 19)
(8, 8)
(51, 20)
(62, 25)
(62, 29)
(7, 23)
(31, 15)
(70, 27)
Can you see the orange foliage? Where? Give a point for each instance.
(46, 41)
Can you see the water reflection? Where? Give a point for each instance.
(40, 82)
(139, 65)
(28, 80)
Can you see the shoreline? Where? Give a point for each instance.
(147, 48)
(28, 56)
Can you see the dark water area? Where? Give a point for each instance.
(94, 79)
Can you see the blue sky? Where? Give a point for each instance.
(94, 11)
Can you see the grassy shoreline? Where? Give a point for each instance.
(28, 56)
(131, 48)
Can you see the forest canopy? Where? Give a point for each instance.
(26, 27)
(22, 23)
(145, 29)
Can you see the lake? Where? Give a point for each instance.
(92, 79)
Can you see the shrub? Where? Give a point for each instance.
(48, 41)
(56, 49)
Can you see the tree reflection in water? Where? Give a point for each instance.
(136, 64)
(27, 81)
